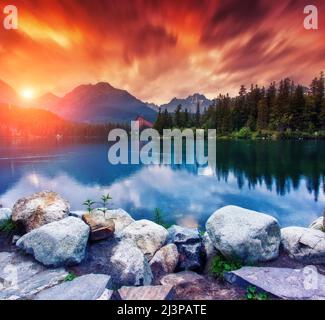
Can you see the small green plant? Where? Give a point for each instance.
(220, 265)
(105, 199)
(159, 218)
(71, 276)
(104, 203)
(8, 226)
(253, 294)
(89, 204)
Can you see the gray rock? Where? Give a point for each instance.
(164, 261)
(244, 235)
(177, 234)
(58, 243)
(147, 235)
(88, 287)
(21, 276)
(40, 209)
(5, 214)
(190, 247)
(317, 224)
(292, 284)
(303, 244)
(121, 259)
(147, 293)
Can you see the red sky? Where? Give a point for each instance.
(160, 49)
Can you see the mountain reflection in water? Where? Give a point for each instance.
(284, 179)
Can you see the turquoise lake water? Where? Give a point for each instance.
(283, 179)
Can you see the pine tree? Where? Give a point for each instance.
(263, 115)
(178, 112)
(297, 110)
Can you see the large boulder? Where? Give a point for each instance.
(244, 235)
(88, 287)
(58, 243)
(40, 209)
(318, 224)
(100, 227)
(303, 244)
(190, 247)
(5, 214)
(147, 235)
(164, 261)
(120, 259)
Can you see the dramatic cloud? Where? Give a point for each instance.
(160, 49)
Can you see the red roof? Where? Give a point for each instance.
(143, 123)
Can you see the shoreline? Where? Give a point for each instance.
(131, 235)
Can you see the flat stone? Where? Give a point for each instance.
(109, 295)
(100, 227)
(88, 287)
(285, 283)
(147, 293)
(21, 276)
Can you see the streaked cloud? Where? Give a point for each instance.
(160, 49)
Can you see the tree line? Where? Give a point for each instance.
(283, 107)
(23, 122)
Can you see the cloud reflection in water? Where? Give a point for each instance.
(183, 196)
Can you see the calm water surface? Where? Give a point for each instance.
(283, 179)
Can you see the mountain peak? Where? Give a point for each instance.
(190, 103)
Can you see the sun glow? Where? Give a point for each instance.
(27, 93)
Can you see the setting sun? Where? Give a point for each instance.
(27, 93)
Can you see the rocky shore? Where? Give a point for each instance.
(48, 252)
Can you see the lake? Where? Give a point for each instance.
(282, 178)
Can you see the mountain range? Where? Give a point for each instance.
(190, 103)
(99, 103)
